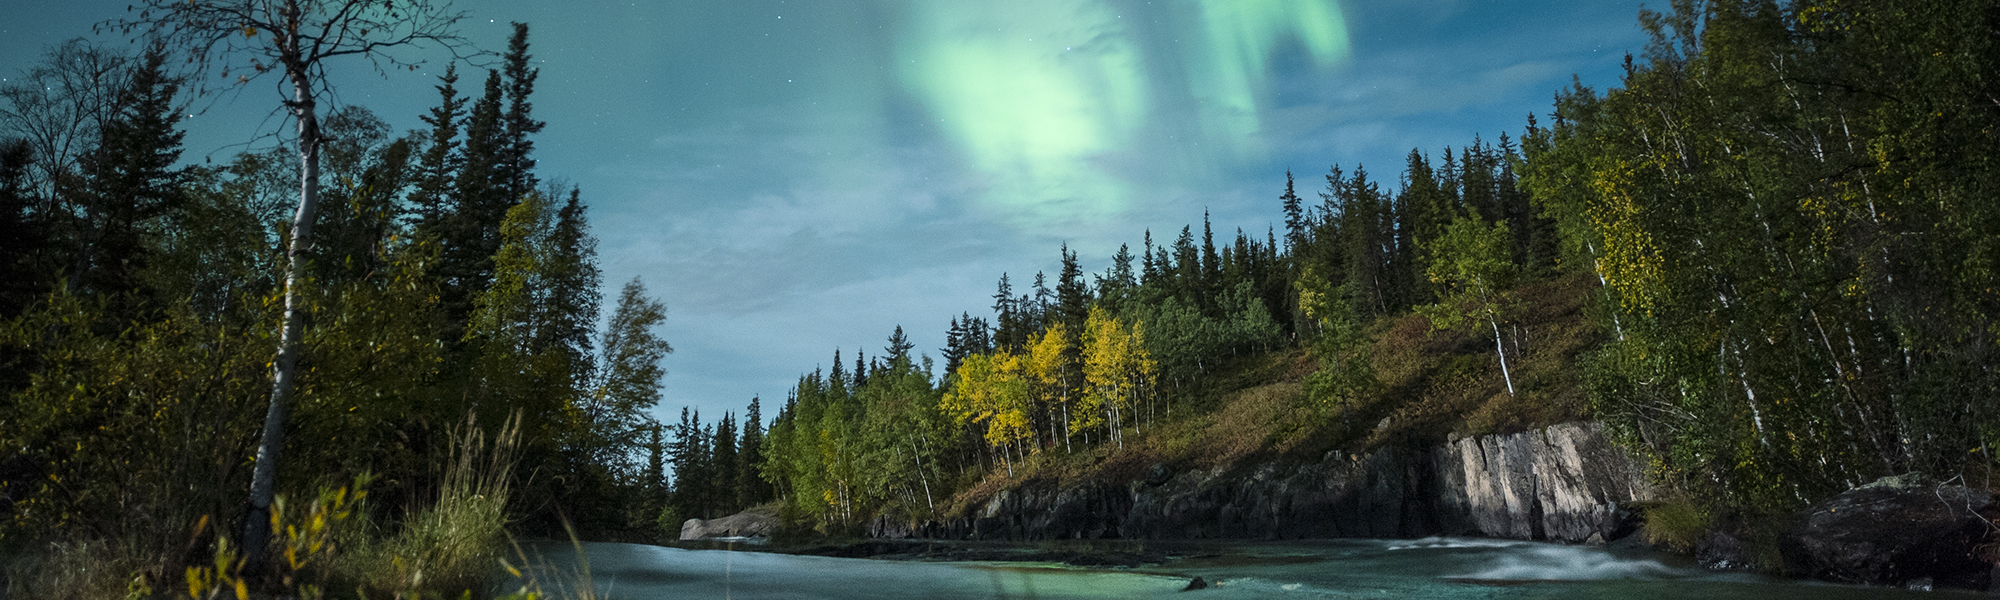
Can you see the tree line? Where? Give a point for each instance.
(1100, 357)
(447, 281)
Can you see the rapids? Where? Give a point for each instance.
(1426, 568)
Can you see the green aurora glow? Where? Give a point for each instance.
(1035, 94)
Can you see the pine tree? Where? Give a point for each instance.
(471, 233)
(899, 346)
(1424, 207)
(515, 168)
(653, 480)
(572, 292)
(1006, 315)
(725, 474)
(1186, 272)
(1295, 218)
(1072, 296)
(954, 345)
(751, 488)
(1149, 272)
(130, 180)
(1210, 281)
(1117, 286)
(860, 371)
(691, 466)
(439, 164)
(838, 375)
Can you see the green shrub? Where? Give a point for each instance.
(1677, 525)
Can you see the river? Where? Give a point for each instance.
(1427, 568)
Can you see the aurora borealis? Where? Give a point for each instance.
(1043, 96)
(794, 176)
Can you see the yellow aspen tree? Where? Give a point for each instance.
(1107, 366)
(991, 391)
(1045, 367)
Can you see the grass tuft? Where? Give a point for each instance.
(456, 544)
(1676, 525)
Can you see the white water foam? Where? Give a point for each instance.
(1569, 563)
(1255, 587)
(1452, 542)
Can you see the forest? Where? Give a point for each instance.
(455, 385)
(1780, 229)
(1778, 233)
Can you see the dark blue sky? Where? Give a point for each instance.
(792, 177)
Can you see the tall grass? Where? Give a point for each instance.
(456, 544)
(457, 547)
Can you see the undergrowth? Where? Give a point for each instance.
(329, 546)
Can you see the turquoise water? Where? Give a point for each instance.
(1428, 568)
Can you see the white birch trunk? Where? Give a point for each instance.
(284, 370)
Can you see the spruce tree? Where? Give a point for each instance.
(1210, 282)
(1006, 316)
(1149, 271)
(726, 471)
(572, 294)
(860, 370)
(438, 166)
(1186, 272)
(129, 180)
(1295, 218)
(471, 234)
(1116, 287)
(1072, 296)
(954, 346)
(751, 489)
(653, 479)
(899, 346)
(515, 169)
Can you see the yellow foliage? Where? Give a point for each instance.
(1116, 366)
(1631, 260)
(991, 389)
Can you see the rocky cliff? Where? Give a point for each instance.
(1564, 483)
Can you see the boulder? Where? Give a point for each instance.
(1723, 551)
(1904, 530)
(754, 522)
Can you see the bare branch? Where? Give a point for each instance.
(250, 38)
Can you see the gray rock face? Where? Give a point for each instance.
(749, 523)
(1564, 483)
(1897, 531)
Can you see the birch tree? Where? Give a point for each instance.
(247, 39)
(1472, 272)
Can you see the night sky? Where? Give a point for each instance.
(795, 177)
